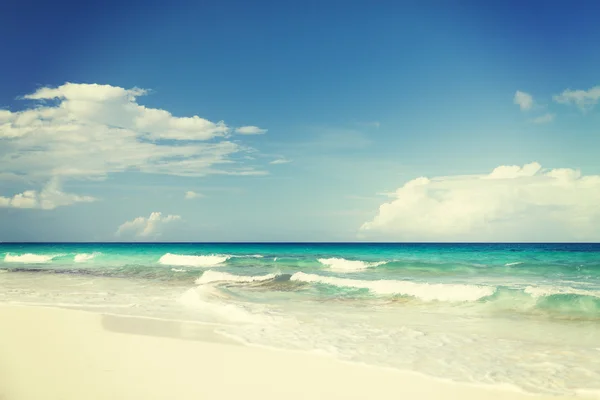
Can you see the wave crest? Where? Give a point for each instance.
(83, 257)
(29, 258)
(343, 265)
(545, 291)
(181, 260)
(423, 291)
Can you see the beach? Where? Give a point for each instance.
(312, 320)
(49, 354)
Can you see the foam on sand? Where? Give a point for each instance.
(423, 291)
(29, 258)
(217, 276)
(181, 260)
(343, 265)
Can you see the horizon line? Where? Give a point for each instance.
(283, 242)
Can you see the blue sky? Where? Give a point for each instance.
(357, 98)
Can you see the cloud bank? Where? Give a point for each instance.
(90, 130)
(511, 203)
(49, 198)
(145, 227)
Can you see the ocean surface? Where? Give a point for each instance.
(525, 316)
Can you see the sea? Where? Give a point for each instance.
(520, 316)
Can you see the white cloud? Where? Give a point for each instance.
(281, 161)
(144, 227)
(584, 99)
(49, 198)
(250, 130)
(189, 195)
(511, 203)
(117, 107)
(544, 119)
(88, 131)
(523, 100)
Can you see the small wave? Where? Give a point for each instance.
(513, 263)
(343, 265)
(83, 257)
(248, 256)
(544, 291)
(216, 276)
(181, 260)
(178, 270)
(423, 291)
(29, 258)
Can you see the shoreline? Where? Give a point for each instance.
(54, 353)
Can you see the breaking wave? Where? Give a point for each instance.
(545, 291)
(181, 260)
(83, 257)
(423, 291)
(29, 258)
(343, 265)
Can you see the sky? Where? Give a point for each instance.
(300, 121)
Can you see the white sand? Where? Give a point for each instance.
(52, 354)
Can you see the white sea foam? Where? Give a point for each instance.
(198, 298)
(181, 260)
(543, 291)
(178, 270)
(343, 265)
(30, 258)
(423, 291)
(216, 276)
(248, 256)
(513, 263)
(83, 257)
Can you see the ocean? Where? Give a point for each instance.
(524, 316)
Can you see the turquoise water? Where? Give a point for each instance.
(523, 315)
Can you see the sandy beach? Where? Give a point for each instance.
(48, 353)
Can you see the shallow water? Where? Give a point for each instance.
(525, 315)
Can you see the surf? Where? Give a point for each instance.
(181, 260)
(423, 291)
(343, 265)
(83, 257)
(218, 276)
(29, 258)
